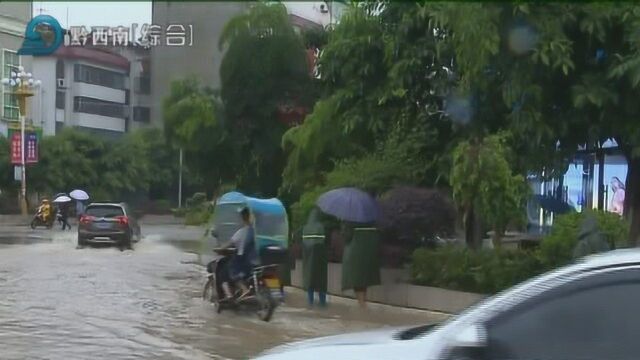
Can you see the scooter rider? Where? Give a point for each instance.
(44, 210)
(243, 260)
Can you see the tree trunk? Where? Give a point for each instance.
(632, 199)
(473, 229)
(497, 237)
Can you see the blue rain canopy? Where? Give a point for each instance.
(269, 215)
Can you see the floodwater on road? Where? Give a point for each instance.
(59, 302)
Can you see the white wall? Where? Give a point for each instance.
(99, 122)
(43, 104)
(97, 92)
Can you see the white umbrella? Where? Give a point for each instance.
(62, 199)
(79, 195)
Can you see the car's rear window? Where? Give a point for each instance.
(105, 211)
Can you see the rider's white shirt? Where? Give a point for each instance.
(239, 238)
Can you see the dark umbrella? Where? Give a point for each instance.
(349, 204)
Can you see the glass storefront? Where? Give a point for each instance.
(590, 182)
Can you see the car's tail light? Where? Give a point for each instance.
(122, 220)
(85, 219)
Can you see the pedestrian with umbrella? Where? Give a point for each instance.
(79, 196)
(361, 257)
(63, 202)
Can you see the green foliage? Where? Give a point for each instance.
(195, 217)
(482, 177)
(484, 271)
(254, 88)
(557, 248)
(393, 163)
(107, 170)
(198, 200)
(193, 121)
(197, 211)
(378, 122)
(6, 169)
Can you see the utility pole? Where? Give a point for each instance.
(24, 84)
(180, 182)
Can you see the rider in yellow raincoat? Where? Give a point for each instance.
(44, 210)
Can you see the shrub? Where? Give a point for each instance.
(197, 217)
(557, 248)
(413, 215)
(179, 212)
(197, 200)
(485, 271)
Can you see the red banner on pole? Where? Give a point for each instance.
(16, 147)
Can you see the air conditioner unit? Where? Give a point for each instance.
(62, 83)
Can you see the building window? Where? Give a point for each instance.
(143, 85)
(98, 107)
(127, 96)
(141, 114)
(10, 109)
(96, 76)
(60, 69)
(61, 97)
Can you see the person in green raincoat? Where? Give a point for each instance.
(315, 259)
(360, 259)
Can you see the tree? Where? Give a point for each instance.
(264, 69)
(162, 161)
(483, 183)
(194, 121)
(381, 77)
(137, 163)
(68, 161)
(568, 75)
(6, 169)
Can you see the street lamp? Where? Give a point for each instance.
(23, 84)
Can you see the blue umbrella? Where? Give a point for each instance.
(349, 204)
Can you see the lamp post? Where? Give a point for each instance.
(23, 84)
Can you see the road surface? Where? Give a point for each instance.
(59, 302)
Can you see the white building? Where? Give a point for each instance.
(203, 58)
(98, 90)
(14, 17)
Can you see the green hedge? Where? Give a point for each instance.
(557, 248)
(484, 271)
(489, 271)
(197, 217)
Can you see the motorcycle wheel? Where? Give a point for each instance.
(33, 224)
(266, 304)
(209, 291)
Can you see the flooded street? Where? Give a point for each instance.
(59, 302)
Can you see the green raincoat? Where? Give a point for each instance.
(361, 258)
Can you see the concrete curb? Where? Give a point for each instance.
(334, 299)
(396, 290)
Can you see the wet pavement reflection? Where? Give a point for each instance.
(59, 302)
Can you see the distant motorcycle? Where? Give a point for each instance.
(263, 283)
(38, 221)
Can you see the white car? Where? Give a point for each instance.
(589, 310)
